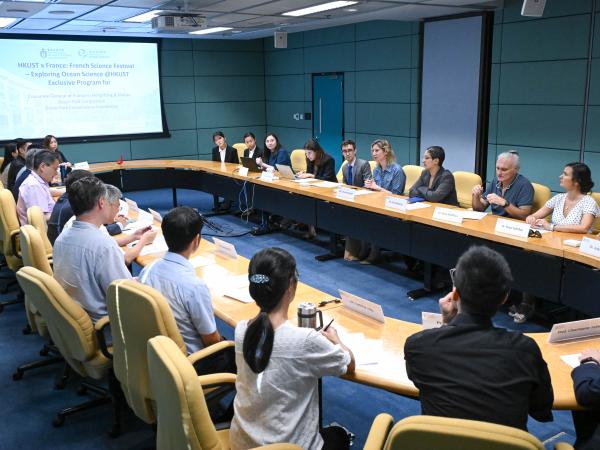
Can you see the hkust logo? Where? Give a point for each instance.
(43, 53)
(82, 52)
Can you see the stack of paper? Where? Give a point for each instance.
(366, 351)
(201, 261)
(158, 246)
(237, 288)
(418, 205)
(571, 360)
(325, 184)
(134, 226)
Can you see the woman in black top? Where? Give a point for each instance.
(51, 143)
(435, 184)
(10, 152)
(319, 164)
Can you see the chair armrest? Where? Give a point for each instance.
(99, 328)
(379, 432)
(216, 379)
(282, 446)
(562, 446)
(218, 347)
(15, 244)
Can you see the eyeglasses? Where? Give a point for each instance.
(534, 233)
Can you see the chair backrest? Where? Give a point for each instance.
(9, 223)
(412, 175)
(541, 194)
(137, 313)
(35, 217)
(240, 147)
(464, 182)
(298, 158)
(69, 325)
(183, 418)
(427, 432)
(596, 196)
(340, 173)
(373, 164)
(32, 248)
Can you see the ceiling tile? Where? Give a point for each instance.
(225, 19)
(233, 5)
(138, 3)
(58, 11)
(38, 24)
(86, 2)
(281, 6)
(20, 9)
(113, 13)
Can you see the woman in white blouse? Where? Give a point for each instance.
(575, 210)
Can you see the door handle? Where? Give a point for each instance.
(320, 117)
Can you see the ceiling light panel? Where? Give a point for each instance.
(112, 14)
(138, 3)
(280, 7)
(211, 30)
(38, 24)
(57, 11)
(20, 9)
(144, 17)
(7, 21)
(320, 8)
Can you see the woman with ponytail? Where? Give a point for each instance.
(279, 365)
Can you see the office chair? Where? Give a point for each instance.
(35, 218)
(412, 175)
(9, 225)
(464, 182)
(298, 158)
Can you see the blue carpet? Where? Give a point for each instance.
(29, 404)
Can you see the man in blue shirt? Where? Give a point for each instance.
(510, 194)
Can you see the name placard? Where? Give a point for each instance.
(81, 166)
(345, 193)
(225, 249)
(590, 247)
(132, 205)
(431, 320)
(396, 203)
(267, 176)
(512, 227)
(447, 215)
(574, 330)
(243, 171)
(155, 215)
(362, 306)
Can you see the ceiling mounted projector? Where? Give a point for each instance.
(178, 23)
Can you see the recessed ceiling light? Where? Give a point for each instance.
(145, 17)
(211, 30)
(236, 31)
(351, 10)
(319, 8)
(62, 12)
(6, 21)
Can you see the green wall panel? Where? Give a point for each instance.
(324, 36)
(593, 162)
(540, 126)
(512, 9)
(180, 116)
(178, 89)
(234, 114)
(281, 114)
(596, 47)
(228, 63)
(329, 58)
(391, 53)
(383, 118)
(382, 29)
(497, 44)
(176, 63)
(495, 84)
(414, 119)
(350, 86)
(493, 124)
(182, 142)
(230, 88)
(176, 44)
(384, 86)
(285, 87)
(400, 145)
(595, 82)
(349, 117)
(285, 62)
(290, 138)
(592, 137)
(294, 40)
(97, 151)
(215, 45)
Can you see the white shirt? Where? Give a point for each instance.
(587, 205)
(281, 404)
(222, 154)
(251, 152)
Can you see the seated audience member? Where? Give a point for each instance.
(319, 164)
(510, 194)
(469, 369)
(388, 177)
(251, 150)
(25, 170)
(17, 164)
(187, 294)
(10, 153)
(435, 184)
(354, 173)
(273, 154)
(51, 144)
(279, 365)
(35, 190)
(575, 210)
(222, 152)
(86, 259)
(586, 384)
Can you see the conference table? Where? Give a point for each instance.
(388, 372)
(544, 266)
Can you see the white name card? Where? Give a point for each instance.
(512, 227)
(447, 215)
(133, 207)
(81, 166)
(345, 193)
(574, 330)
(267, 175)
(155, 215)
(243, 171)
(590, 247)
(399, 204)
(362, 306)
(431, 320)
(225, 249)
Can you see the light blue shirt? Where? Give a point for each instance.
(392, 178)
(86, 260)
(175, 278)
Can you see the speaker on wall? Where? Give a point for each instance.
(533, 8)
(280, 39)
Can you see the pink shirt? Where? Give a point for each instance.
(34, 192)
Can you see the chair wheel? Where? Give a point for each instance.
(26, 330)
(18, 375)
(58, 421)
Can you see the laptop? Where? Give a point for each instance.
(250, 163)
(285, 172)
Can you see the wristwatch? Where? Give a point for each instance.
(589, 359)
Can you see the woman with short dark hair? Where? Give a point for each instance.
(436, 184)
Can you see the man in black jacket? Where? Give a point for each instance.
(223, 153)
(586, 384)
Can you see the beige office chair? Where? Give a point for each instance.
(429, 432)
(74, 335)
(9, 229)
(373, 164)
(240, 147)
(412, 175)
(464, 182)
(183, 418)
(298, 158)
(340, 173)
(137, 313)
(596, 226)
(35, 217)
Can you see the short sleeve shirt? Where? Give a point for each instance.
(519, 193)
(281, 403)
(34, 192)
(392, 178)
(175, 278)
(587, 205)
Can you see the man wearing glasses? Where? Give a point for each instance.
(469, 369)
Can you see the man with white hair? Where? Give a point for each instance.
(510, 194)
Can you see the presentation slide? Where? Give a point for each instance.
(78, 88)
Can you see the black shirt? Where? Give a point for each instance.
(471, 370)
(325, 170)
(13, 170)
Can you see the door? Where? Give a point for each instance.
(328, 113)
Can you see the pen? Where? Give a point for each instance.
(327, 326)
